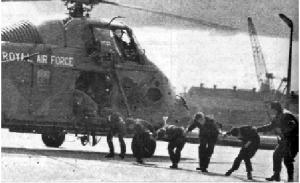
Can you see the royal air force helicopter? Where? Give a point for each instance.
(43, 63)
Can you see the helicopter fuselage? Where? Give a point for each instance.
(42, 65)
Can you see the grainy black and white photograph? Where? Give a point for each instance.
(149, 90)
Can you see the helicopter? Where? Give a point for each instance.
(44, 63)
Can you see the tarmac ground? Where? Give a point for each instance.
(25, 158)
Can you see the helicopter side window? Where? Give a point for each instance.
(102, 43)
(126, 45)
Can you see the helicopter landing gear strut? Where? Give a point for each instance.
(86, 139)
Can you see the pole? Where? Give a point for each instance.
(290, 24)
(290, 64)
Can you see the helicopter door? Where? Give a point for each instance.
(96, 85)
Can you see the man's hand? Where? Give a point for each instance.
(247, 144)
(154, 135)
(224, 135)
(278, 130)
(185, 133)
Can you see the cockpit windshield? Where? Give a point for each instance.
(127, 46)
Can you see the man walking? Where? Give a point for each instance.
(116, 126)
(286, 129)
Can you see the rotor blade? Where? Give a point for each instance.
(198, 21)
(22, 0)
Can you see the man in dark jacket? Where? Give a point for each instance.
(176, 138)
(116, 126)
(143, 145)
(286, 129)
(208, 135)
(250, 144)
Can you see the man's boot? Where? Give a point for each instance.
(275, 177)
(174, 166)
(122, 155)
(290, 172)
(229, 172)
(123, 150)
(111, 149)
(201, 160)
(94, 139)
(291, 177)
(206, 161)
(249, 175)
(139, 160)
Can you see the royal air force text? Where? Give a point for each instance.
(40, 59)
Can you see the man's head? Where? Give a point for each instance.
(118, 32)
(199, 117)
(276, 106)
(130, 123)
(234, 132)
(160, 133)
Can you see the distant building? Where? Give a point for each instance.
(236, 106)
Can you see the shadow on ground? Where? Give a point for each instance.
(77, 154)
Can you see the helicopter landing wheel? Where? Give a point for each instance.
(53, 139)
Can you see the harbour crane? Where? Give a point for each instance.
(265, 79)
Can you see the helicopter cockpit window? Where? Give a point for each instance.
(126, 45)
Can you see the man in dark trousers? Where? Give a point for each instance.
(143, 142)
(251, 142)
(286, 128)
(116, 126)
(208, 135)
(85, 110)
(176, 138)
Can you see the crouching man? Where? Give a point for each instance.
(176, 137)
(143, 143)
(208, 135)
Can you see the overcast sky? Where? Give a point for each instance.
(197, 48)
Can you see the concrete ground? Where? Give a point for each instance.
(25, 158)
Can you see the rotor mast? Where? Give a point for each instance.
(76, 7)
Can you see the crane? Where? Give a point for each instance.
(265, 79)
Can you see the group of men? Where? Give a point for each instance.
(143, 144)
